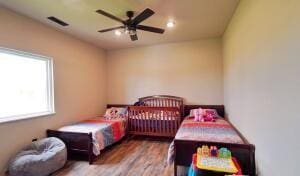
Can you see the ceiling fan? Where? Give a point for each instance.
(132, 24)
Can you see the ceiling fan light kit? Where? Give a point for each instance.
(170, 24)
(131, 25)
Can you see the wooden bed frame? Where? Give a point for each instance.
(75, 142)
(184, 149)
(158, 115)
(81, 143)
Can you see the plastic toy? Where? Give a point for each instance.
(193, 167)
(213, 151)
(224, 153)
(199, 151)
(205, 151)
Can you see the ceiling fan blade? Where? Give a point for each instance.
(142, 16)
(111, 29)
(109, 15)
(134, 37)
(150, 29)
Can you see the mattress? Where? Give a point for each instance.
(104, 132)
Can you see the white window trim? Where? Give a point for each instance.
(50, 85)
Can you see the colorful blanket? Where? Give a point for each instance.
(219, 131)
(104, 132)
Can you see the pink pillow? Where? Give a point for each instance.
(211, 113)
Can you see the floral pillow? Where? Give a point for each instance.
(115, 112)
(204, 115)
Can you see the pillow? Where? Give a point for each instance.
(211, 113)
(115, 112)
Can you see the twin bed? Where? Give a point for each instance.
(221, 133)
(90, 136)
(159, 116)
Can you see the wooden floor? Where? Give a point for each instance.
(132, 157)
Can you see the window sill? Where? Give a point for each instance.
(25, 116)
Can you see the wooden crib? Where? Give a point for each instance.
(159, 115)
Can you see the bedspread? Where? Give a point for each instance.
(104, 132)
(220, 131)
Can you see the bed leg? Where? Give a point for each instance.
(175, 169)
(252, 161)
(90, 149)
(90, 159)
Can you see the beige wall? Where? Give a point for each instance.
(79, 73)
(261, 81)
(192, 70)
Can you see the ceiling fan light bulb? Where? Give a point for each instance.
(118, 33)
(170, 24)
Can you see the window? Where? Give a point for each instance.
(26, 85)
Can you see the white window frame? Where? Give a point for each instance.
(50, 86)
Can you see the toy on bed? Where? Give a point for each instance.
(115, 112)
(205, 115)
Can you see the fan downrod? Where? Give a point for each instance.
(130, 14)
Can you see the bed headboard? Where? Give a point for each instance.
(163, 101)
(118, 105)
(220, 109)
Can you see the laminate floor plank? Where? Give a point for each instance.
(139, 156)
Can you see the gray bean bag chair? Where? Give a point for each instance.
(41, 158)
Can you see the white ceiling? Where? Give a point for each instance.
(195, 19)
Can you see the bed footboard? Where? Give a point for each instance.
(75, 142)
(153, 121)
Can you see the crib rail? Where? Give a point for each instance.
(153, 121)
(163, 101)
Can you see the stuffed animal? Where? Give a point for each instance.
(198, 113)
(208, 118)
